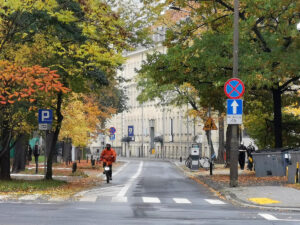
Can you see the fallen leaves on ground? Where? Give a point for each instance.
(249, 179)
(58, 188)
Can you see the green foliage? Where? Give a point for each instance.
(199, 41)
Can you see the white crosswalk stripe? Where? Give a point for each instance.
(268, 216)
(119, 199)
(150, 200)
(89, 198)
(181, 201)
(215, 201)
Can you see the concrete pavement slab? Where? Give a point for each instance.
(281, 196)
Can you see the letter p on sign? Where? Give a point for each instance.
(45, 116)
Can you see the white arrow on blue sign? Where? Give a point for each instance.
(234, 111)
(112, 137)
(234, 106)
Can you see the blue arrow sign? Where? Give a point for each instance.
(234, 106)
(112, 137)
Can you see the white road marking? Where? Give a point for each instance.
(268, 216)
(119, 199)
(182, 200)
(215, 202)
(89, 198)
(124, 190)
(273, 218)
(151, 200)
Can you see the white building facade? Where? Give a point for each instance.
(156, 131)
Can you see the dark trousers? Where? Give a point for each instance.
(242, 159)
(110, 172)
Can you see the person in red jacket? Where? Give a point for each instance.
(108, 157)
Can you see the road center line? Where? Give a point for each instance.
(124, 190)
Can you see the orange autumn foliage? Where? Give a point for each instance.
(19, 83)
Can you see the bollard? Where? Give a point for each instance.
(180, 159)
(297, 174)
(74, 167)
(93, 162)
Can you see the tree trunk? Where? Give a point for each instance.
(5, 154)
(228, 145)
(220, 158)
(55, 136)
(277, 118)
(20, 154)
(209, 141)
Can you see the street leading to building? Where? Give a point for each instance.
(142, 192)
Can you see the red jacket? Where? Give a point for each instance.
(108, 156)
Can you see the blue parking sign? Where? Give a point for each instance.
(45, 116)
(130, 131)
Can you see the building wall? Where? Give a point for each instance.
(171, 123)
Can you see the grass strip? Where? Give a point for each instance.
(29, 186)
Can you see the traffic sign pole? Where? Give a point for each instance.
(234, 127)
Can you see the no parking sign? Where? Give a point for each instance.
(234, 88)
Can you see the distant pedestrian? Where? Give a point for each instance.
(29, 153)
(250, 150)
(242, 155)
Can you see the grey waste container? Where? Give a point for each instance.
(293, 159)
(270, 162)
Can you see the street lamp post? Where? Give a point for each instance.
(235, 128)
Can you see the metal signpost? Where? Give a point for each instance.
(208, 126)
(233, 91)
(45, 118)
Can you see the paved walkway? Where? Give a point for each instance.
(261, 196)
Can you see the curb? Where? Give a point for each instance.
(231, 196)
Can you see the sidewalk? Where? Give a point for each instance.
(265, 193)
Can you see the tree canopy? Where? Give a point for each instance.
(199, 39)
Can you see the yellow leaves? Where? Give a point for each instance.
(293, 109)
(81, 117)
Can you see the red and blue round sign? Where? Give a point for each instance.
(234, 88)
(112, 130)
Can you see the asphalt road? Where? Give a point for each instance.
(143, 192)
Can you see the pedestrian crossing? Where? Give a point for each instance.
(150, 200)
